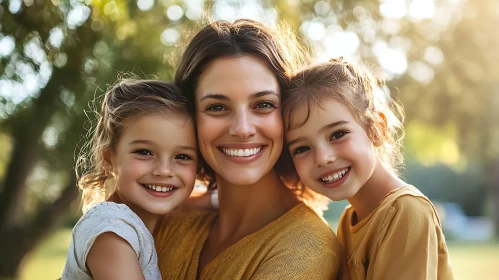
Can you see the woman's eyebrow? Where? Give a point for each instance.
(259, 94)
(264, 93)
(214, 96)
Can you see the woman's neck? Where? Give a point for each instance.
(246, 209)
(372, 193)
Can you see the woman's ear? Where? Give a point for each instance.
(380, 130)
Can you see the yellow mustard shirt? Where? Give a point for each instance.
(297, 245)
(401, 239)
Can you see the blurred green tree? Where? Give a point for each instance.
(57, 57)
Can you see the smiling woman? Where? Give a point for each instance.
(239, 122)
(234, 73)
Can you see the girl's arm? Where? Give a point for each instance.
(111, 257)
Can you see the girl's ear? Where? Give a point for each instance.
(380, 130)
(107, 160)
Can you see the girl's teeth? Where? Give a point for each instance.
(159, 188)
(241, 152)
(335, 176)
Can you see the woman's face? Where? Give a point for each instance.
(239, 121)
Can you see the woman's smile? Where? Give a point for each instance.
(239, 120)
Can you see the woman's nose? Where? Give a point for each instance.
(242, 126)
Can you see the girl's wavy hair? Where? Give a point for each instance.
(278, 48)
(123, 102)
(363, 93)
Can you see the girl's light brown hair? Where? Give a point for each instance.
(126, 100)
(278, 48)
(364, 94)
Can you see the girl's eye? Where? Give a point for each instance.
(266, 105)
(143, 152)
(337, 135)
(300, 150)
(183, 157)
(216, 108)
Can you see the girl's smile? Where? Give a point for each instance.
(334, 178)
(152, 174)
(331, 151)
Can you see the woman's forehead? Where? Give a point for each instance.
(236, 74)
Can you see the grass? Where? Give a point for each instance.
(47, 261)
(474, 261)
(470, 261)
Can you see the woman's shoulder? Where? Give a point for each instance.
(179, 231)
(302, 214)
(181, 221)
(302, 222)
(307, 232)
(188, 217)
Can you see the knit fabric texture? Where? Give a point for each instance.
(297, 245)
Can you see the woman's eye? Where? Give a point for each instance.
(337, 135)
(265, 105)
(183, 157)
(215, 108)
(143, 152)
(300, 150)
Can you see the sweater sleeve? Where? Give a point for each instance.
(409, 246)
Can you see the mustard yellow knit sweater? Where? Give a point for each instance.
(298, 245)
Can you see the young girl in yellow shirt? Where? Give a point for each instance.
(344, 134)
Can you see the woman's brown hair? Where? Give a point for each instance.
(278, 48)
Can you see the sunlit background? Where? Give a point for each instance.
(440, 58)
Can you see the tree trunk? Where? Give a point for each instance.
(17, 242)
(28, 129)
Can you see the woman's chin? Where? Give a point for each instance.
(243, 179)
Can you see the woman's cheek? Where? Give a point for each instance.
(273, 126)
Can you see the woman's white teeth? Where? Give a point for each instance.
(241, 152)
(159, 188)
(335, 176)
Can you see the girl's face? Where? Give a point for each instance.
(155, 162)
(331, 151)
(239, 122)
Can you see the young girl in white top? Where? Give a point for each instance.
(344, 134)
(144, 153)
